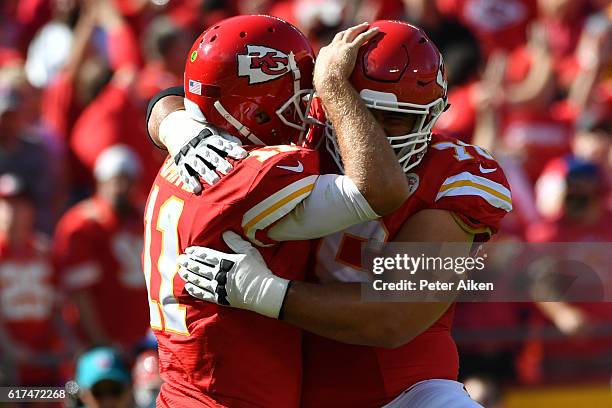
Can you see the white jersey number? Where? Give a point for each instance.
(166, 312)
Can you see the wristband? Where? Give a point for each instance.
(174, 91)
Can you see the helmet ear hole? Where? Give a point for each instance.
(261, 117)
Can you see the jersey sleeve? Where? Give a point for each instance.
(286, 177)
(467, 181)
(334, 204)
(477, 199)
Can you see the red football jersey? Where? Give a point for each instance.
(453, 176)
(98, 251)
(212, 355)
(29, 299)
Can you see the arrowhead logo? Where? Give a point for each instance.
(262, 64)
(413, 183)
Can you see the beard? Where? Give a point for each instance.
(122, 205)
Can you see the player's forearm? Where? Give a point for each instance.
(336, 311)
(486, 129)
(108, 16)
(366, 153)
(82, 34)
(556, 311)
(538, 81)
(581, 89)
(159, 111)
(328, 310)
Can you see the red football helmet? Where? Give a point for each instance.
(401, 70)
(251, 75)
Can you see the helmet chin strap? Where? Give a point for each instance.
(242, 129)
(196, 113)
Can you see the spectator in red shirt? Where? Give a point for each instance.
(591, 80)
(97, 249)
(563, 22)
(43, 61)
(583, 218)
(23, 148)
(165, 46)
(30, 344)
(532, 122)
(72, 87)
(114, 116)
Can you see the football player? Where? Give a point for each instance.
(249, 76)
(368, 354)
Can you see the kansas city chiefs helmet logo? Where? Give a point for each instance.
(262, 64)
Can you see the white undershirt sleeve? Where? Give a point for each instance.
(334, 204)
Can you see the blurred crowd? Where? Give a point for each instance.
(530, 80)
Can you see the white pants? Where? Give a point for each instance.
(434, 394)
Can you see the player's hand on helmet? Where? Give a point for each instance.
(337, 60)
(240, 280)
(199, 150)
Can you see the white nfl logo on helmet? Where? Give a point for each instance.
(262, 64)
(413, 183)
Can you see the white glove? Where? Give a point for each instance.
(198, 149)
(240, 280)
